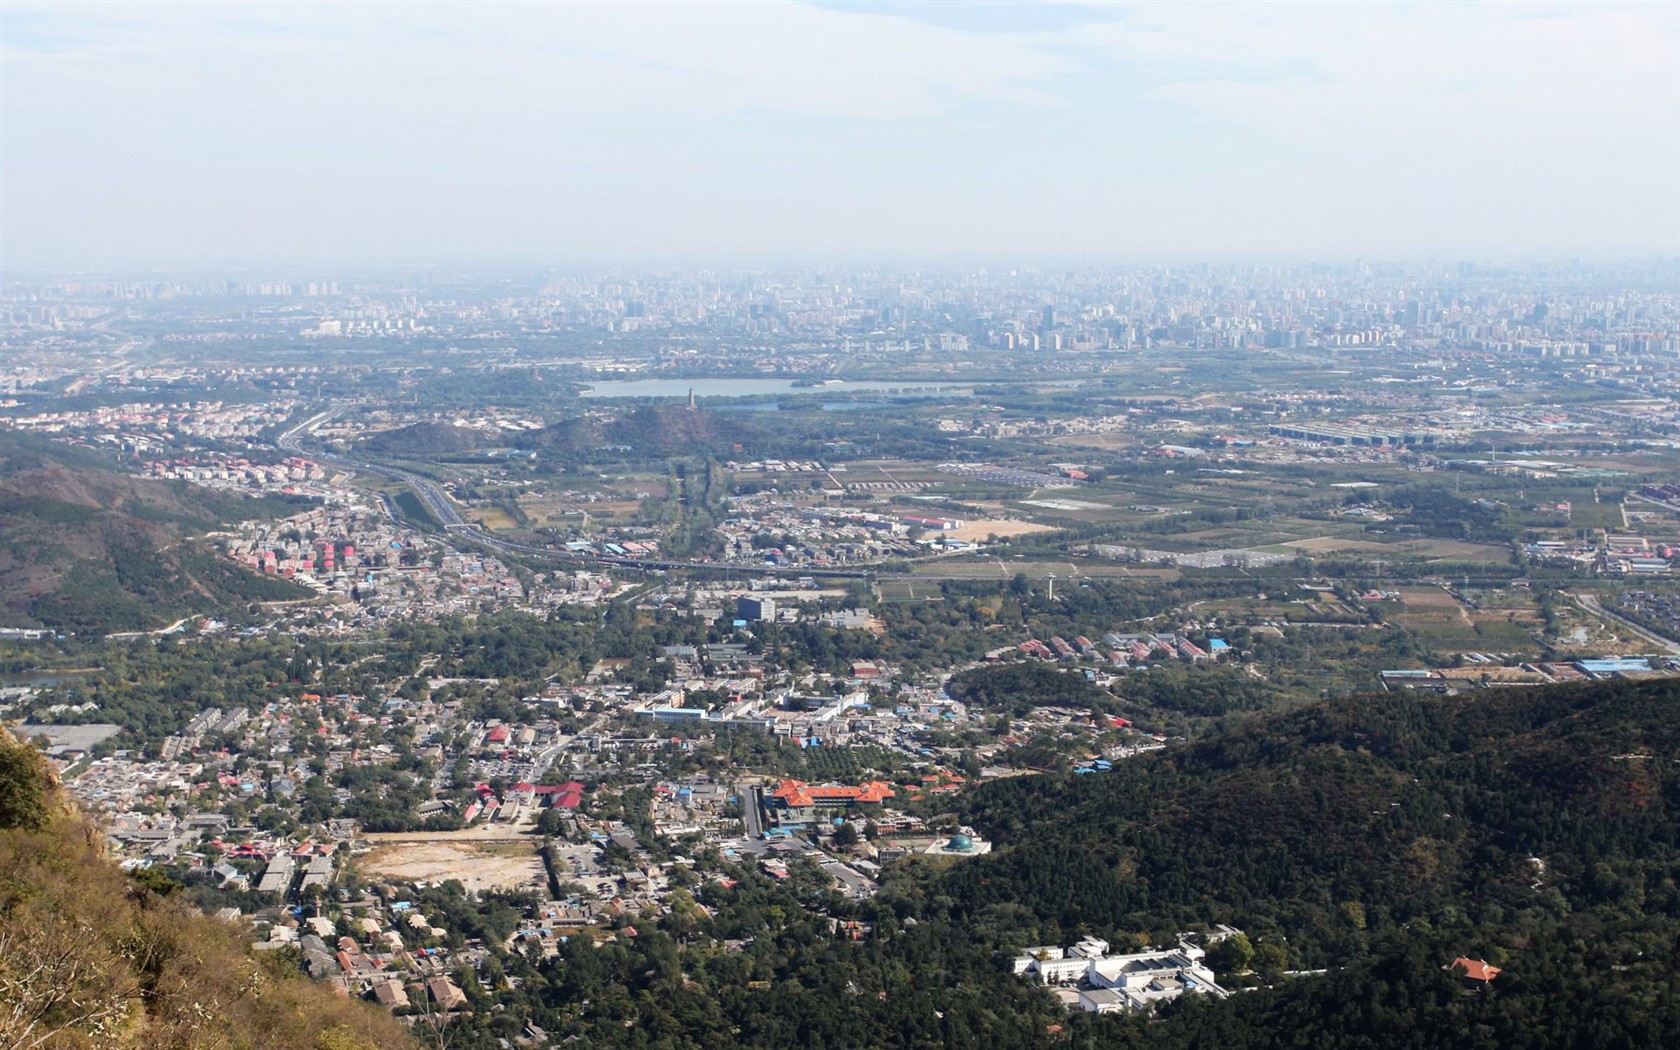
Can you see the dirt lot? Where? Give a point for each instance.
(1458, 550)
(1108, 440)
(977, 531)
(505, 865)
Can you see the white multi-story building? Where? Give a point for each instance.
(1120, 982)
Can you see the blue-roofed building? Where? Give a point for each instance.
(1612, 666)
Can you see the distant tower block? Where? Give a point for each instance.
(691, 402)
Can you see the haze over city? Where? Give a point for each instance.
(205, 135)
(897, 526)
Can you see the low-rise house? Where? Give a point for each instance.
(391, 994)
(445, 993)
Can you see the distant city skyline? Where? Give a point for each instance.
(156, 136)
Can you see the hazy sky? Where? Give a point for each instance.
(208, 134)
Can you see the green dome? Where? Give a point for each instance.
(960, 843)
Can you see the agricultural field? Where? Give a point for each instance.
(901, 590)
(1457, 551)
(1084, 507)
(1609, 516)
(545, 509)
(1110, 441)
(1341, 544)
(892, 475)
(1263, 611)
(1394, 549)
(1440, 621)
(493, 518)
(1434, 617)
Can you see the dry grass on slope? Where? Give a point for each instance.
(91, 958)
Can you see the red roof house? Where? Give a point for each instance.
(1475, 970)
(796, 794)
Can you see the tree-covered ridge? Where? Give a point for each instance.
(427, 438)
(1393, 809)
(657, 430)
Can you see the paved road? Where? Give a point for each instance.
(171, 629)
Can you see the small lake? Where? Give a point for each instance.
(618, 388)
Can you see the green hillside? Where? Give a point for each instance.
(424, 439)
(1395, 808)
(86, 548)
(651, 430)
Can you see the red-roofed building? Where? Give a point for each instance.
(562, 796)
(498, 735)
(1476, 972)
(796, 802)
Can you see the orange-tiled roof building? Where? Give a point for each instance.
(796, 801)
(1475, 970)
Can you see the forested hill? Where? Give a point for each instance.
(660, 429)
(84, 547)
(92, 958)
(1353, 817)
(422, 439)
